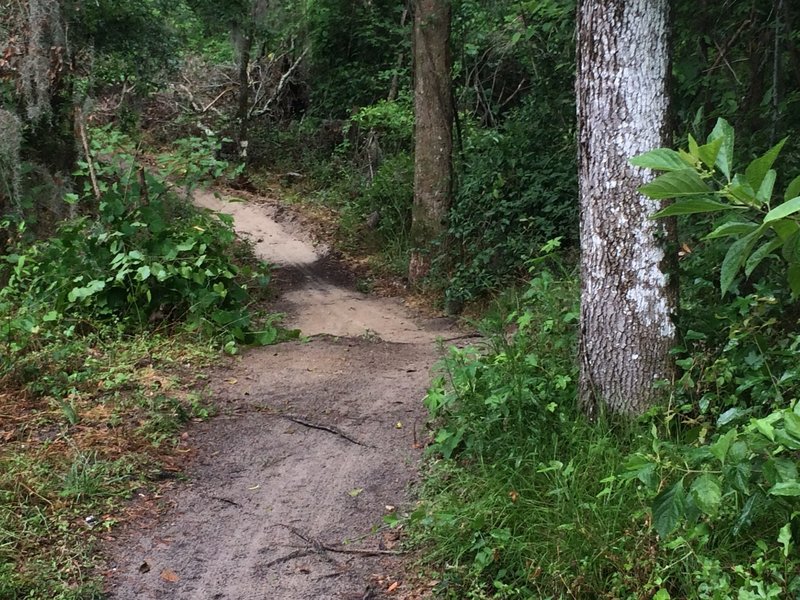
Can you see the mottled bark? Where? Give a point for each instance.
(627, 299)
(433, 146)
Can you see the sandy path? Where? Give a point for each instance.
(271, 490)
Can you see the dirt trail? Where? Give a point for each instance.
(314, 444)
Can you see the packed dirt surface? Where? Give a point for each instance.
(315, 443)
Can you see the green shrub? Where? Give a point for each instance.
(147, 259)
(517, 189)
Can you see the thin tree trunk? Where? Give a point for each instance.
(627, 299)
(243, 101)
(433, 171)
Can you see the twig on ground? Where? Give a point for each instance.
(329, 429)
(321, 547)
(291, 556)
(226, 501)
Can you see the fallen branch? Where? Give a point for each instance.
(279, 90)
(215, 100)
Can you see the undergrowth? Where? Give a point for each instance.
(525, 498)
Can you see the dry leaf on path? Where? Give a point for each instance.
(170, 576)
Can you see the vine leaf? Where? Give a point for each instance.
(668, 508)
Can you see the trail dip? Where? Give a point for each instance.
(314, 443)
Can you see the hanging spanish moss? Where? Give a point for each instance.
(10, 147)
(45, 50)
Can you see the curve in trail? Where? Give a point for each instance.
(314, 444)
(316, 305)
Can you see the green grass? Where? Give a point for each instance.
(81, 436)
(541, 525)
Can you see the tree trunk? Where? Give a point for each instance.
(245, 46)
(627, 298)
(433, 171)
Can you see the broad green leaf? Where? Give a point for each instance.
(691, 206)
(675, 184)
(785, 488)
(143, 273)
(723, 130)
(694, 147)
(159, 271)
(793, 189)
(709, 152)
(662, 594)
(783, 210)
(791, 248)
(729, 229)
(792, 423)
(785, 538)
(688, 158)
(741, 191)
(764, 192)
(661, 159)
(730, 415)
(266, 337)
(745, 517)
(784, 439)
(785, 228)
(707, 493)
(79, 293)
(735, 257)
(720, 447)
(779, 469)
(668, 508)
(757, 170)
(765, 428)
(185, 246)
(760, 254)
(641, 468)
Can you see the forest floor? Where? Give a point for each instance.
(315, 442)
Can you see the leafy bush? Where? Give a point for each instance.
(148, 258)
(351, 42)
(703, 180)
(725, 493)
(522, 388)
(517, 189)
(387, 123)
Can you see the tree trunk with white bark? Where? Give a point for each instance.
(627, 297)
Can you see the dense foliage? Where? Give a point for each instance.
(524, 497)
